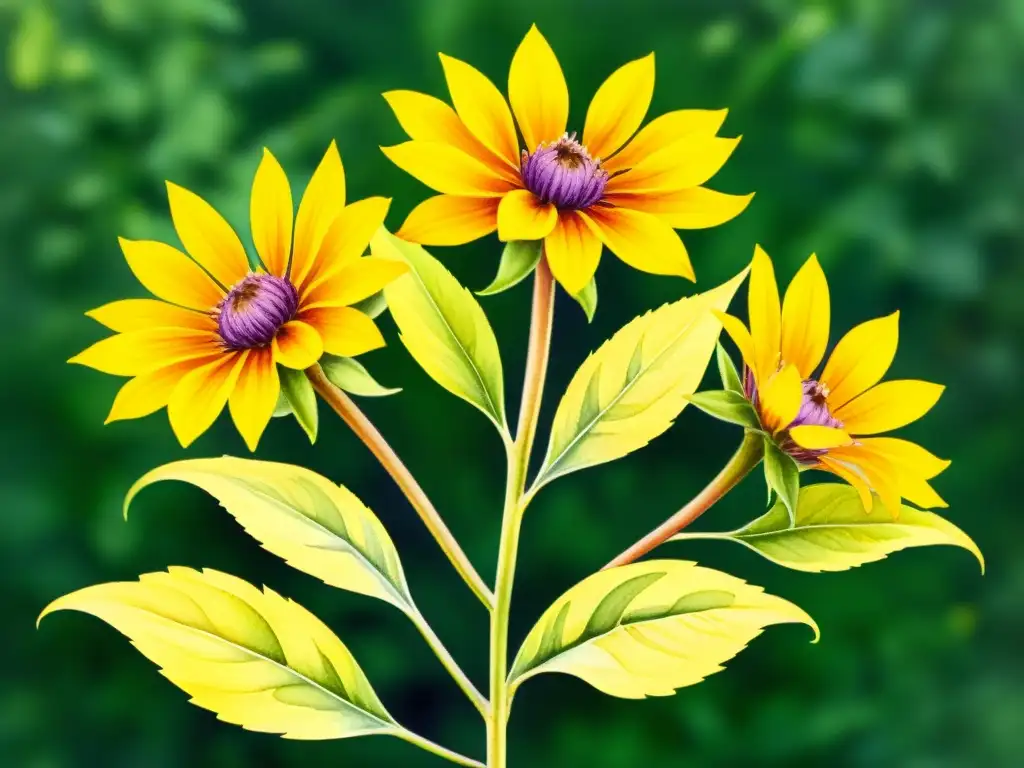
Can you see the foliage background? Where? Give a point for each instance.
(885, 134)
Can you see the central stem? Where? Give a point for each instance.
(512, 516)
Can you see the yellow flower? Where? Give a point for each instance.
(829, 421)
(217, 330)
(573, 195)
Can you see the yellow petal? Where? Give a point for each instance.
(643, 241)
(136, 352)
(693, 208)
(149, 392)
(450, 220)
(907, 456)
(861, 359)
(201, 394)
(573, 251)
(888, 406)
(537, 90)
(920, 493)
(254, 397)
(482, 108)
(139, 314)
(354, 282)
(521, 216)
(270, 215)
(322, 203)
(805, 318)
(619, 106)
(666, 130)
(815, 437)
(765, 313)
(170, 275)
(297, 345)
(345, 331)
(741, 338)
(446, 169)
(678, 166)
(780, 399)
(852, 475)
(881, 476)
(425, 118)
(345, 241)
(206, 236)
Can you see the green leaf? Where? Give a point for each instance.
(283, 407)
(587, 299)
(631, 389)
(254, 658)
(727, 370)
(301, 399)
(646, 629)
(373, 306)
(833, 531)
(316, 526)
(782, 475)
(728, 406)
(350, 375)
(518, 259)
(444, 328)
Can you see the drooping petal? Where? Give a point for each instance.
(139, 314)
(780, 399)
(446, 169)
(297, 345)
(345, 241)
(619, 107)
(425, 118)
(207, 237)
(354, 282)
(693, 208)
(345, 331)
(806, 312)
(201, 395)
(537, 90)
(816, 437)
(919, 492)
(879, 473)
(450, 220)
(861, 359)
(270, 214)
(521, 216)
(889, 405)
(765, 313)
(170, 275)
(665, 130)
(149, 392)
(136, 352)
(678, 166)
(851, 474)
(255, 395)
(573, 251)
(741, 338)
(482, 108)
(322, 203)
(907, 456)
(642, 240)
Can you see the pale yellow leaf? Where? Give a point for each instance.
(649, 628)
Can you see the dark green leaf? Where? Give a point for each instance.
(783, 476)
(518, 260)
(727, 370)
(728, 406)
(301, 398)
(351, 376)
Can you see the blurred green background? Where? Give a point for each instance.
(884, 134)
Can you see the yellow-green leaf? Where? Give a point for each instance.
(649, 628)
(631, 389)
(833, 532)
(444, 328)
(256, 659)
(318, 527)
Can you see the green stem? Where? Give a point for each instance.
(438, 750)
(748, 456)
(374, 440)
(477, 698)
(512, 516)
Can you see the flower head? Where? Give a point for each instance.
(830, 420)
(217, 329)
(575, 194)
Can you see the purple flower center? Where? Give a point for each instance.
(813, 412)
(253, 311)
(564, 173)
